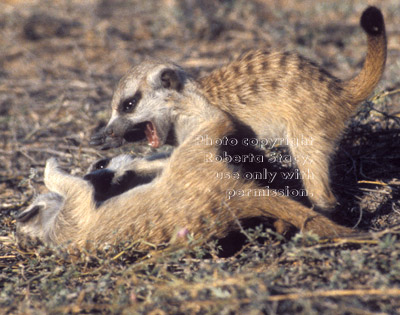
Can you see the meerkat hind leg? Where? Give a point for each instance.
(313, 165)
(58, 181)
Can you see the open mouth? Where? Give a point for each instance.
(136, 133)
(145, 130)
(151, 135)
(139, 132)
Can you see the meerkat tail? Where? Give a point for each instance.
(361, 86)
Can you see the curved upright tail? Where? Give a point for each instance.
(361, 86)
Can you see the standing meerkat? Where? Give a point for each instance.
(282, 96)
(181, 197)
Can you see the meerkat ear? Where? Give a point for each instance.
(170, 80)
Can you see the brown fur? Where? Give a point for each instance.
(284, 90)
(182, 197)
(280, 95)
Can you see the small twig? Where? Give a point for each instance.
(384, 94)
(375, 191)
(27, 156)
(8, 257)
(359, 218)
(131, 245)
(372, 182)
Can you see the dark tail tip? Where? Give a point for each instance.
(372, 21)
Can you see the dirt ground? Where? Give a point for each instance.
(59, 63)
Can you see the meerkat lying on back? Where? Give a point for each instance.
(109, 178)
(281, 96)
(181, 197)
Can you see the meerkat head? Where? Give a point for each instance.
(112, 177)
(143, 105)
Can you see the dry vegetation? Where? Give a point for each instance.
(59, 62)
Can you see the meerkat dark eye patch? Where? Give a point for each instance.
(101, 181)
(103, 163)
(129, 104)
(105, 187)
(170, 80)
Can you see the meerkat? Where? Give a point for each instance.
(180, 197)
(282, 96)
(113, 176)
(109, 177)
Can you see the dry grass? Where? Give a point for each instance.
(59, 63)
